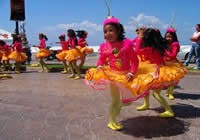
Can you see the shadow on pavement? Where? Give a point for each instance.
(32, 71)
(177, 87)
(186, 96)
(183, 111)
(152, 127)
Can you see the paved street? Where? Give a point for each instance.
(48, 106)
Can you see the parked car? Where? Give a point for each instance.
(54, 50)
(184, 52)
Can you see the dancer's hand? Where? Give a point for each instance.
(166, 58)
(129, 77)
(100, 67)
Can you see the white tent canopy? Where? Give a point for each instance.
(5, 36)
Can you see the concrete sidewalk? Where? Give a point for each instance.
(48, 106)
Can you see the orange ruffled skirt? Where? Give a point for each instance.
(129, 91)
(17, 56)
(42, 53)
(76, 53)
(86, 50)
(61, 56)
(6, 55)
(169, 75)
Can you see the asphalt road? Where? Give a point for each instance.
(48, 106)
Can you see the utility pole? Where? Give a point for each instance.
(17, 28)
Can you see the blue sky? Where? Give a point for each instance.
(54, 17)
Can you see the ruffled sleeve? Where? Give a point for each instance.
(102, 55)
(82, 42)
(138, 46)
(172, 52)
(18, 46)
(72, 42)
(142, 52)
(7, 48)
(65, 45)
(42, 44)
(133, 58)
(135, 40)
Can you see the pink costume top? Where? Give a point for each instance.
(64, 45)
(135, 40)
(71, 42)
(126, 56)
(82, 42)
(148, 53)
(17, 46)
(42, 44)
(172, 52)
(1, 48)
(6, 48)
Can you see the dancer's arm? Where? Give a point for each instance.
(171, 55)
(134, 63)
(102, 57)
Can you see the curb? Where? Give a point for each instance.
(54, 69)
(193, 73)
(84, 70)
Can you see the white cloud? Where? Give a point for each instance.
(143, 20)
(84, 25)
(95, 31)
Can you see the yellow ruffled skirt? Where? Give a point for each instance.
(169, 75)
(76, 53)
(86, 50)
(42, 53)
(5, 56)
(17, 56)
(73, 55)
(61, 56)
(130, 91)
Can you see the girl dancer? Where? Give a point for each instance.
(152, 47)
(82, 43)
(43, 52)
(138, 30)
(171, 53)
(17, 54)
(61, 56)
(6, 50)
(118, 67)
(73, 54)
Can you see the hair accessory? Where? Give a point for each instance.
(171, 30)
(155, 29)
(110, 20)
(63, 35)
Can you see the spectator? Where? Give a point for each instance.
(195, 50)
(27, 49)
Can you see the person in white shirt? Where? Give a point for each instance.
(195, 50)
